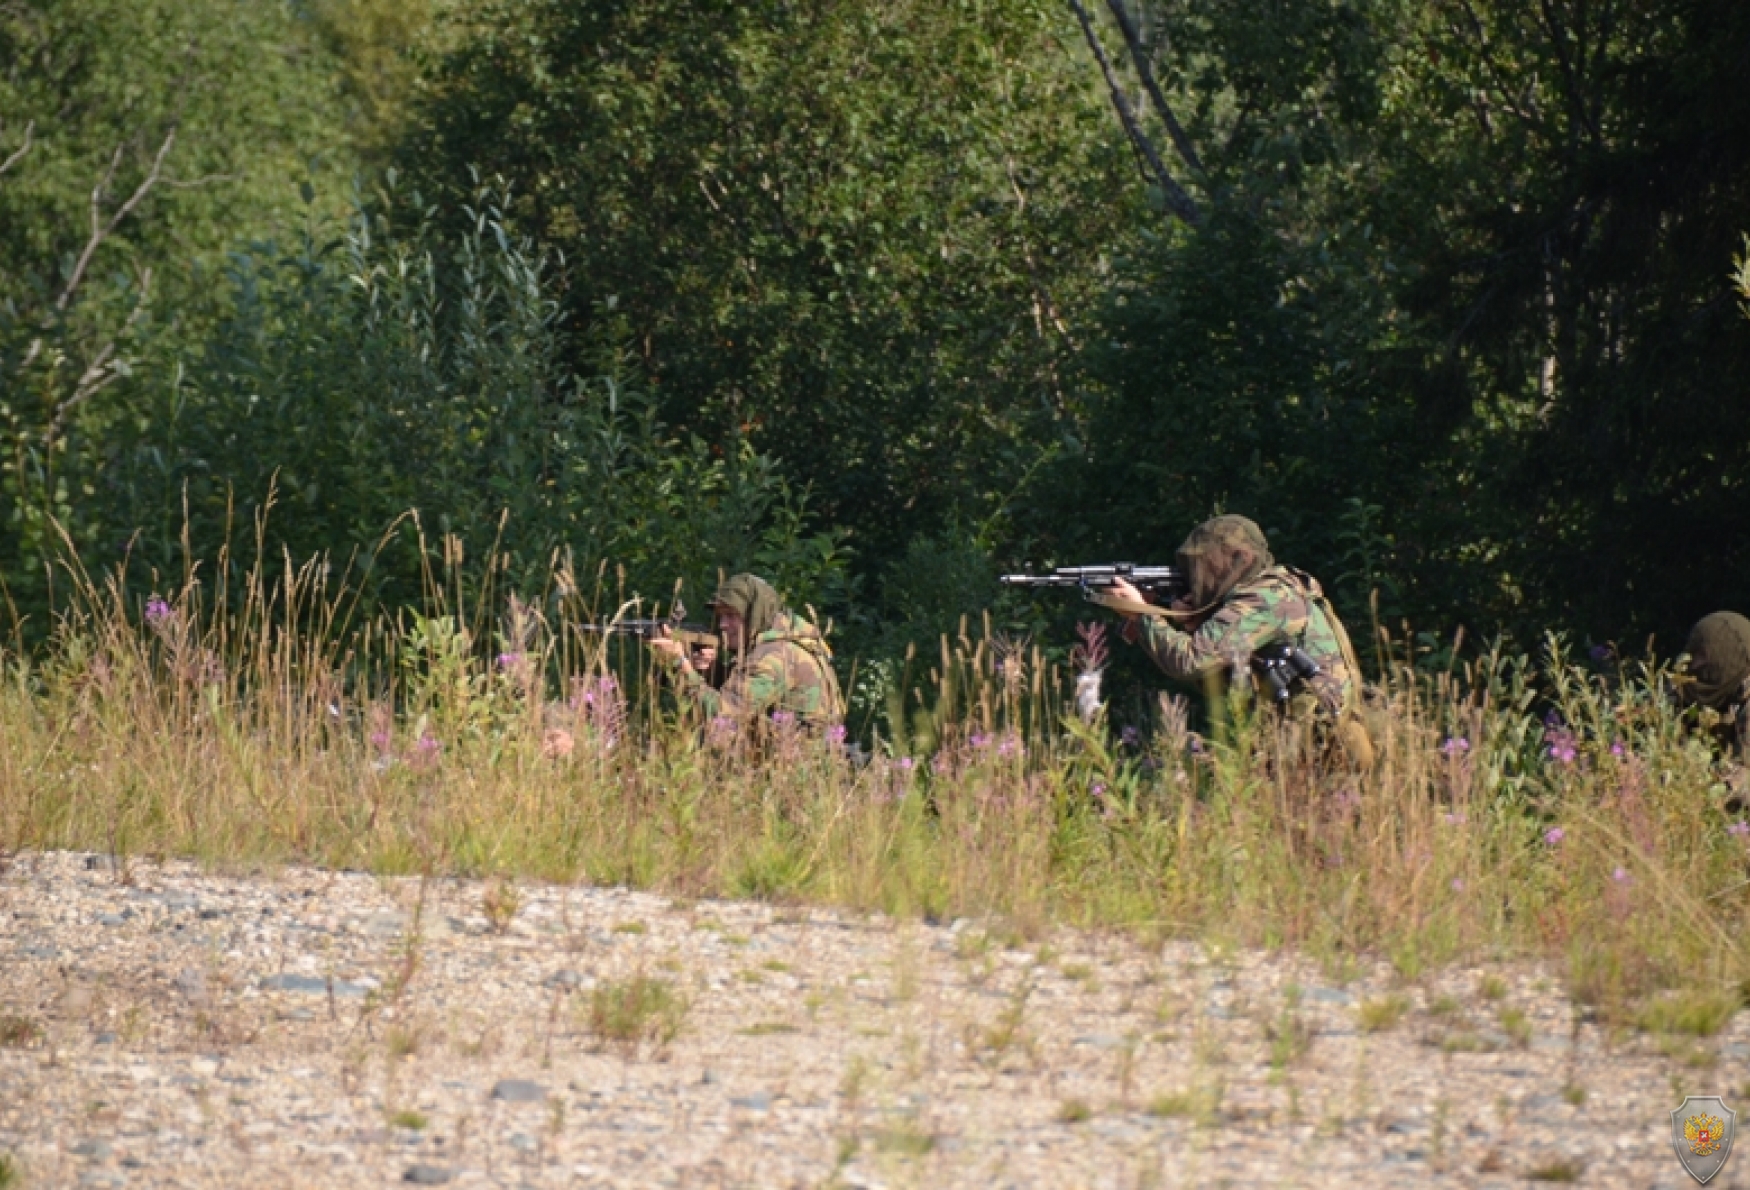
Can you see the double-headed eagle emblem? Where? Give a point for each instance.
(1703, 1133)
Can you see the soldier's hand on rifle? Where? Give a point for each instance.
(703, 659)
(667, 648)
(1125, 590)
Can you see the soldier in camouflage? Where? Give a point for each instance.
(1716, 680)
(783, 666)
(1239, 601)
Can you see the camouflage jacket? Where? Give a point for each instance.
(788, 669)
(1280, 602)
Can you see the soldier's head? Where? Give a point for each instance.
(745, 606)
(1220, 554)
(1719, 661)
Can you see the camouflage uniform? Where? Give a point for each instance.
(1716, 679)
(787, 669)
(1238, 601)
(1279, 604)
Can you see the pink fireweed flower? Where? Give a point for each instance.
(1455, 746)
(380, 741)
(906, 764)
(1617, 750)
(1553, 836)
(835, 734)
(1456, 818)
(1098, 789)
(979, 740)
(1563, 747)
(1739, 828)
(158, 614)
(1621, 876)
(1010, 746)
(510, 660)
(1457, 884)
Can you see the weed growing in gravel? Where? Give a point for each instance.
(1378, 1015)
(11, 1176)
(1517, 1026)
(1520, 806)
(1202, 1104)
(1574, 1093)
(1492, 987)
(637, 1010)
(1074, 1111)
(1562, 1170)
(905, 1141)
(411, 1120)
(17, 1032)
(499, 903)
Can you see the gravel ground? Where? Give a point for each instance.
(166, 1027)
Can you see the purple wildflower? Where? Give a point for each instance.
(1553, 836)
(720, 729)
(906, 763)
(158, 613)
(1457, 884)
(380, 740)
(1456, 818)
(1617, 750)
(429, 745)
(783, 718)
(1621, 876)
(510, 660)
(1455, 746)
(1739, 828)
(979, 739)
(835, 734)
(1009, 745)
(1563, 747)
(1098, 789)
(1602, 653)
(1129, 736)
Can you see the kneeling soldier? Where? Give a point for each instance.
(782, 664)
(1244, 609)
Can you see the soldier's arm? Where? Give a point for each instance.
(1238, 628)
(753, 688)
(689, 684)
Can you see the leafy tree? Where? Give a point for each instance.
(862, 234)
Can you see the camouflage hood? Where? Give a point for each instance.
(1220, 554)
(793, 629)
(1719, 660)
(753, 599)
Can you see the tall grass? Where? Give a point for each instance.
(1518, 807)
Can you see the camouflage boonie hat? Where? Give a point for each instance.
(752, 598)
(1220, 554)
(1719, 660)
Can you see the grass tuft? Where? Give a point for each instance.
(640, 1009)
(1563, 1170)
(18, 1032)
(1383, 1013)
(1074, 1111)
(409, 1119)
(1697, 1013)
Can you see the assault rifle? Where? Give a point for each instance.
(1163, 583)
(694, 636)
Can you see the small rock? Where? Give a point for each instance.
(38, 952)
(1329, 996)
(427, 1175)
(105, 1038)
(288, 982)
(708, 1078)
(521, 1143)
(566, 979)
(112, 919)
(518, 1090)
(192, 983)
(97, 1150)
(758, 1101)
(1100, 1041)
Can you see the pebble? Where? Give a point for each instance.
(518, 1090)
(288, 982)
(427, 1175)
